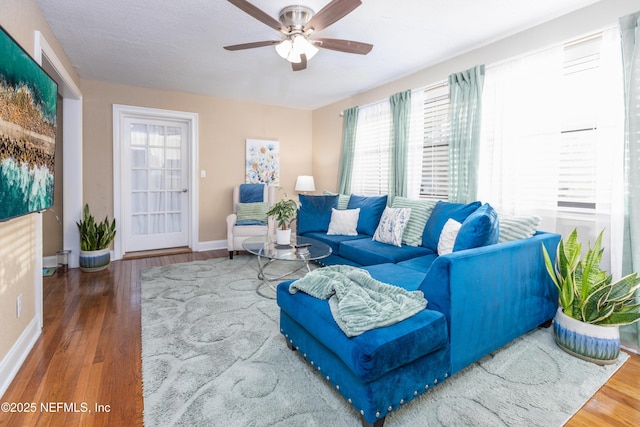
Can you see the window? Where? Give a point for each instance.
(552, 136)
(428, 162)
(371, 157)
(578, 154)
(435, 151)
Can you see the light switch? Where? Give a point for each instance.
(203, 173)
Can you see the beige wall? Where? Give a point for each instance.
(327, 125)
(223, 127)
(20, 244)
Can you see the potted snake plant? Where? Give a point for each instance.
(592, 305)
(284, 212)
(95, 238)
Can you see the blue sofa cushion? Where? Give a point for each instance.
(371, 208)
(375, 352)
(440, 215)
(370, 252)
(315, 213)
(333, 240)
(421, 263)
(395, 274)
(481, 228)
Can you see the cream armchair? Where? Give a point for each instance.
(236, 234)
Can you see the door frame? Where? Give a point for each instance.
(120, 112)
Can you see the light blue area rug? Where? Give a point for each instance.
(212, 355)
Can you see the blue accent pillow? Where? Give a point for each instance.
(315, 213)
(371, 208)
(440, 215)
(251, 193)
(481, 228)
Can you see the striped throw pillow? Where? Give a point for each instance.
(517, 227)
(252, 211)
(420, 211)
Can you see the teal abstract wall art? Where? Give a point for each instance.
(28, 106)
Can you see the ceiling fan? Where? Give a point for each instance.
(297, 23)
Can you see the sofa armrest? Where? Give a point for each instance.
(492, 295)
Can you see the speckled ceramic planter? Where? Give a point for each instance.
(594, 343)
(95, 260)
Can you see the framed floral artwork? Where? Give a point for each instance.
(262, 163)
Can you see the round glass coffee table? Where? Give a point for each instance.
(302, 249)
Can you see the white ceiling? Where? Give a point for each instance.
(177, 45)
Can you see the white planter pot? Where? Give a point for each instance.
(283, 237)
(594, 343)
(91, 261)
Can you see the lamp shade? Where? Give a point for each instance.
(305, 183)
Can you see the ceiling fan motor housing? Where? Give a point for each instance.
(295, 16)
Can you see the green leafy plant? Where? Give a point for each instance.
(588, 293)
(95, 235)
(284, 211)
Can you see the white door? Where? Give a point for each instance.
(155, 192)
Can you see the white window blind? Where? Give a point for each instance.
(552, 136)
(371, 158)
(589, 121)
(435, 152)
(577, 180)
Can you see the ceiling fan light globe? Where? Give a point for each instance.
(284, 48)
(310, 50)
(294, 57)
(301, 45)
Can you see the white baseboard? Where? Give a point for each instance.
(211, 245)
(16, 356)
(52, 261)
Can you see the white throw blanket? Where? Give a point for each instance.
(357, 301)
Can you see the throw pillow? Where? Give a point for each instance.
(420, 211)
(481, 228)
(251, 212)
(344, 222)
(392, 226)
(439, 216)
(251, 193)
(315, 213)
(516, 228)
(371, 208)
(343, 199)
(448, 236)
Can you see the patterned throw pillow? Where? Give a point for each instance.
(448, 236)
(344, 222)
(251, 212)
(392, 225)
(420, 211)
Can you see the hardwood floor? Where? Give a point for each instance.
(86, 367)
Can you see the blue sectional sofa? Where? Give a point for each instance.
(480, 296)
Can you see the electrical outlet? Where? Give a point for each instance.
(19, 306)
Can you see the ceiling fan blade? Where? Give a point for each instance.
(347, 46)
(261, 16)
(334, 11)
(300, 65)
(251, 45)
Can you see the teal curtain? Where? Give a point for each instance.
(465, 92)
(350, 122)
(400, 115)
(630, 31)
